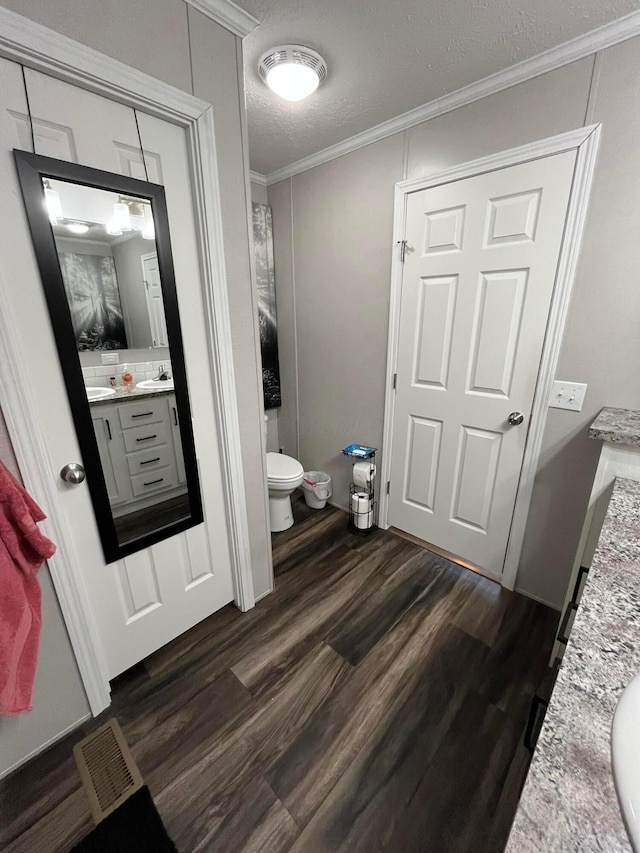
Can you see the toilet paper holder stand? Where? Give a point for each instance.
(363, 507)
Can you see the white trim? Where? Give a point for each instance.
(227, 14)
(529, 151)
(249, 176)
(585, 141)
(209, 223)
(567, 263)
(43, 746)
(24, 41)
(257, 178)
(542, 601)
(577, 48)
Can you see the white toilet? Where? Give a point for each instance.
(284, 474)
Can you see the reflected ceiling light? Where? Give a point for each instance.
(77, 227)
(52, 203)
(292, 71)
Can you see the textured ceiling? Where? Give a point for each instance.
(389, 56)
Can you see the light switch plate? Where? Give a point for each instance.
(568, 395)
(110, 358)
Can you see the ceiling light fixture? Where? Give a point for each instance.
(292, 71)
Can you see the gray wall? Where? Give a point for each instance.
(127, 257)
(177, 44)
(333, 229)
(59, 702)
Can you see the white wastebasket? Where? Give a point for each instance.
(317, 489)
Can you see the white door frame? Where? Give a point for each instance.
(585, 141)
(35, 46)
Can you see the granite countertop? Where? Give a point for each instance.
(569, 801)
(621, 426)
(131, 394)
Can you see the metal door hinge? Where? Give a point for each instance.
(388, 486)
(403, 249)
(395, 380)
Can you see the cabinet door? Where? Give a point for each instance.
(177, 441)
(104, 425)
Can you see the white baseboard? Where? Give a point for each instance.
(537, 598)
(264, 595)
(44, 746)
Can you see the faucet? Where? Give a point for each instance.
(162, 374)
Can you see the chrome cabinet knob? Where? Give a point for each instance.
(515, 418)
(73, 473)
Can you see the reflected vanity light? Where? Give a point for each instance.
(148, 228)
(112, 227)
(121, 216)
(53, 204)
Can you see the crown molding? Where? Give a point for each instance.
(257, 178)
(227, 14)
(29, 43)
(585, 45)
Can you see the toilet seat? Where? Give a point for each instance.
(283, 469)
(284, 474)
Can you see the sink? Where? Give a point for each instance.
(625, 757)
(156, 385)
(99, 393)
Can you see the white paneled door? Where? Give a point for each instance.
(143, 601)
(478, 278)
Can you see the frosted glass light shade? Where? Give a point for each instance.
(292, 81)
(121, 216)
(53, 204)
(292, 71)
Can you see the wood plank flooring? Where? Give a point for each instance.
(375, 702)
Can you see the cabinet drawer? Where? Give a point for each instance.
(148, 435)
(154, 481)
(145, 412)
(149, 460)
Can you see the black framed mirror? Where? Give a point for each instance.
(103, 248)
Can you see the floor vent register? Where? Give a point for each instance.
(108, 771)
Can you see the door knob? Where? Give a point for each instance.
(515, 418)
(73, 473)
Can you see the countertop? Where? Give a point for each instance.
(569, 801)
(132, 394)
(620, 426)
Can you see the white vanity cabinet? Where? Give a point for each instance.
(140, 450)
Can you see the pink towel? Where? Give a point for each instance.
(22, 551)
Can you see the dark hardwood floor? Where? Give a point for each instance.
(376, 701)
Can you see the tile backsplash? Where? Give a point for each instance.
(98, 377)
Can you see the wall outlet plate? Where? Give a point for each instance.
(568, 395)
(110, 358)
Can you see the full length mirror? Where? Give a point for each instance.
(103, 248)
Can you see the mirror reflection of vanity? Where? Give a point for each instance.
(109, 264)
(103, 248)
